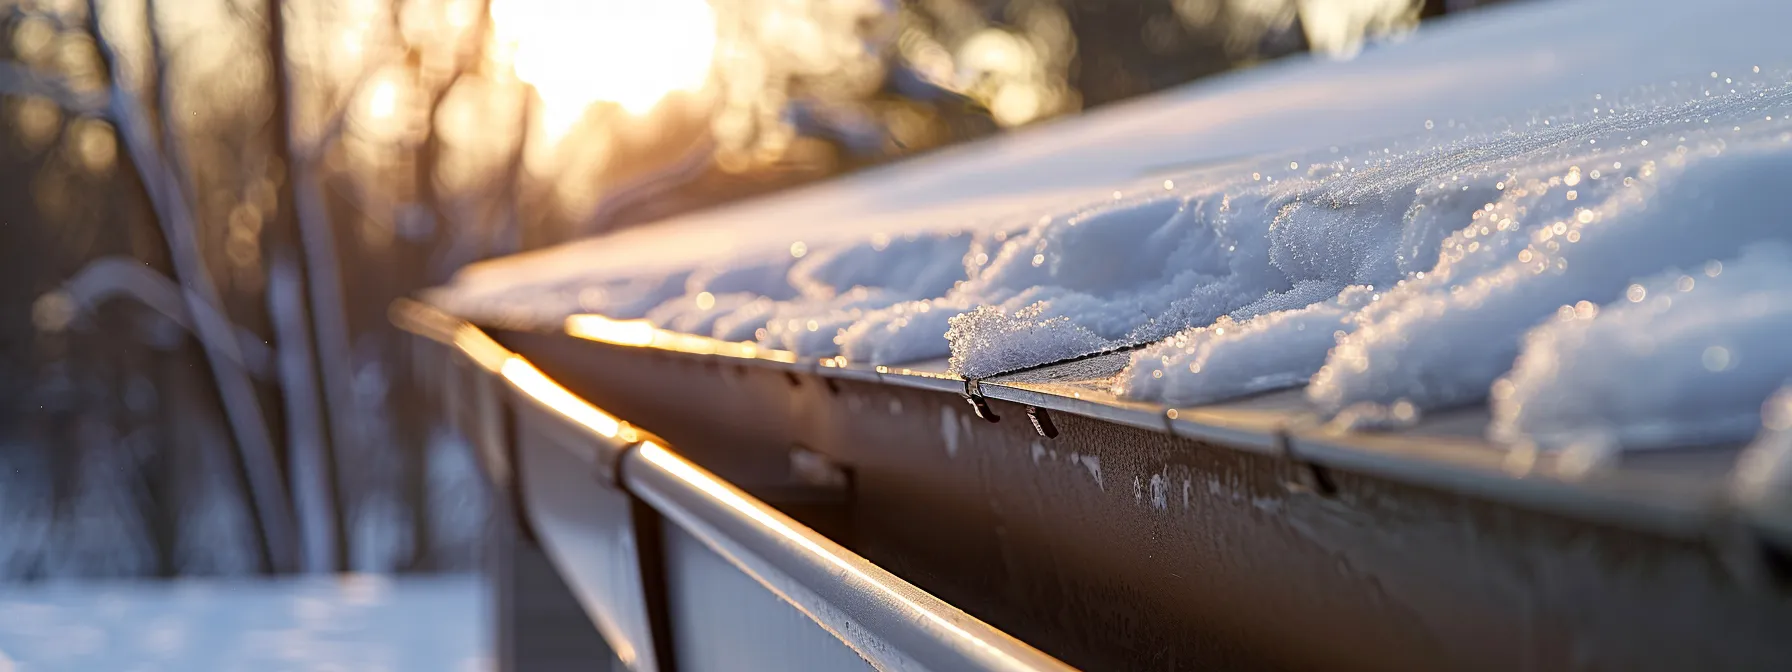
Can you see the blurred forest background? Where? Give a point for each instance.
(209, 205)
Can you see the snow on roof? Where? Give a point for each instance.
(1388, 228)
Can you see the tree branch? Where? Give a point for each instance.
(321, 269)
(106, 278)
(19, 80)
(241, 408)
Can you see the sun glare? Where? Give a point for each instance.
(580, 52)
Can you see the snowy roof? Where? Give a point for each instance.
(1491, 210)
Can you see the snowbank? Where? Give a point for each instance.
(350, 622)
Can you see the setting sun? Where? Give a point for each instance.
(580, 52)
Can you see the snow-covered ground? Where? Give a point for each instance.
(1558, 184)
(353, 623)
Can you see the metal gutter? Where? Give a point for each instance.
(1216, 535)
(889, 622)
(1283, 424)
(580, 477)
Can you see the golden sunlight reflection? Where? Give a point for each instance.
(642, 334)
(481, 348)
(605, 330)
(580, 52)
(544, 390)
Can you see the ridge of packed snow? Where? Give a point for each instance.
(1620, 372)
(1560, 234)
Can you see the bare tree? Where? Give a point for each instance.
(287, 465)
(160, 178)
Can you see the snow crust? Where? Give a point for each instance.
(1621, 373)
(1390, 276)
(1688, 197)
